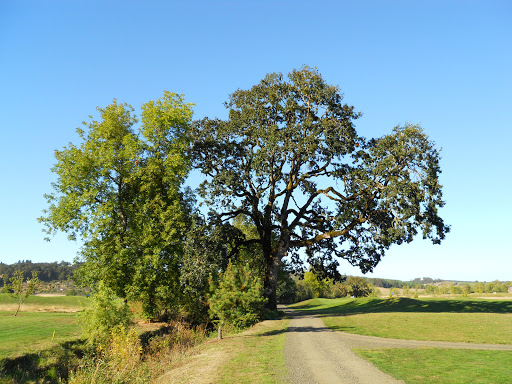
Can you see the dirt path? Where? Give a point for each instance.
(316, 354)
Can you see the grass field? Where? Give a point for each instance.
(439, 366)
(32, 331)
(252, 357)
(461, 319)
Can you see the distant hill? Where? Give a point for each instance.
(47, 272)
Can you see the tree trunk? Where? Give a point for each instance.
(270, 284)
(273, 262)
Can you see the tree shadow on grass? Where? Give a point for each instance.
(46, 366)
(376, 305)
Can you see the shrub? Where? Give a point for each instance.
(237, 299)
(118, 361)
(107, 314)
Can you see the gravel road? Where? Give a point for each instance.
(316, 354)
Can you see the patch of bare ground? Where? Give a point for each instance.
(201, 364)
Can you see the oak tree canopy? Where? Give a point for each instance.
(289, 159)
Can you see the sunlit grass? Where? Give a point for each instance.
(467, 320)
(37, 303)
(259, 356)
(30, 331)
(439, 366)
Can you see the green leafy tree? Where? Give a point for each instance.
(208, 249)
(289, 159)
(237, 298)
(358, 287)
(479, 287)
(466, 289)
(120, 192)
(320, 287)
(19, 290)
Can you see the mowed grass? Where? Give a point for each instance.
(33, 331)
(259, 357)
(461, 320)
(464, 320)
(440, 366)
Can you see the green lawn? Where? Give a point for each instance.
(466, 320)
(462, 319)
(443, 366)
(31, 331)
(259, 357)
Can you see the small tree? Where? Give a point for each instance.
(319, 286)
(357, 286)
(107, 314)
(16, 290)
(237, 299)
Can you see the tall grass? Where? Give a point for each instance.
(128, 359)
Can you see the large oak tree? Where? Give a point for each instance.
(289, 159)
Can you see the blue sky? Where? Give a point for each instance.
(443, 64)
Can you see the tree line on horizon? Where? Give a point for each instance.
(63, 271)
(46, 272)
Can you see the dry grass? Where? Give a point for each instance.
(202, 365)
(45, 303)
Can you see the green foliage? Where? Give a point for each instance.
(319, 286)
(289, 159)
(287, 290)
(45, 271)
(237, 297)
(107, 314)
(120, 192)
(357, 287)
(20, 291)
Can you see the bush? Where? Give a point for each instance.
(237, 299)
(108, 313)
(118, 361)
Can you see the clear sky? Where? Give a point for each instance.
(444, 64)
